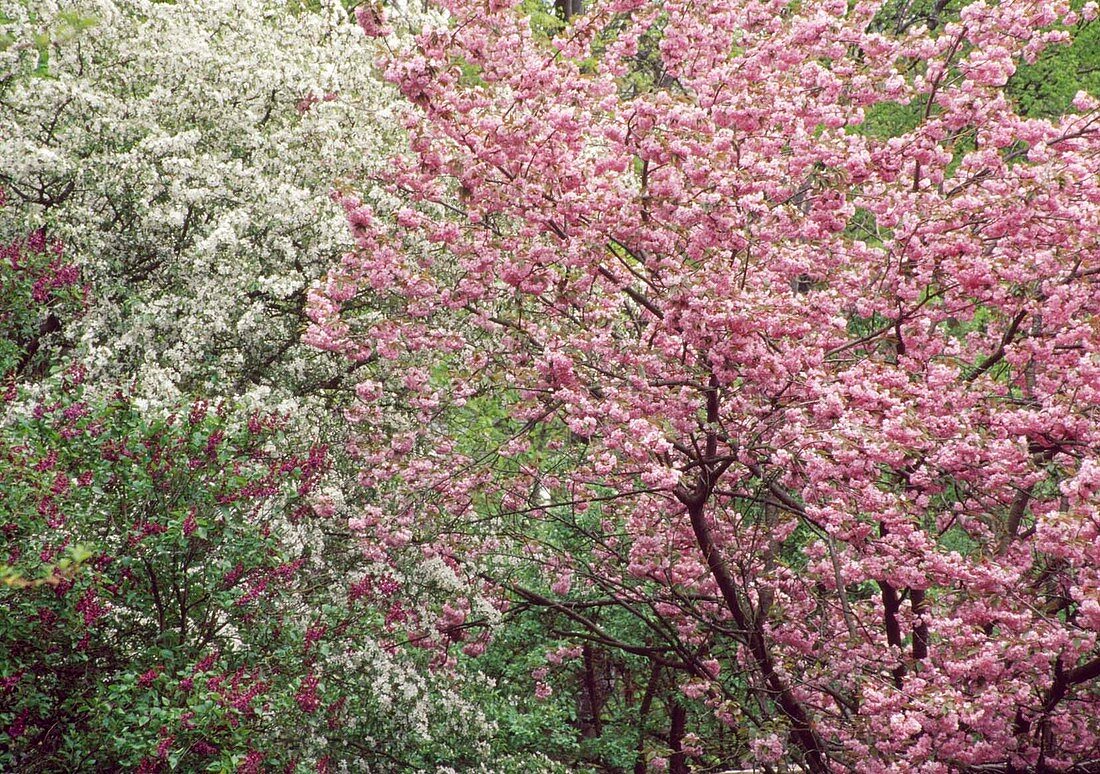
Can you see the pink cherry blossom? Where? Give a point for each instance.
(825, 403)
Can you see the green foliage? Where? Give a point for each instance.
(162, 606)
(133, 547)
(1046, 88)
(544, 21)
(890, 119)
(526, 724)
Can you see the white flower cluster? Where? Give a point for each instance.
(185, 153)
(419, 705)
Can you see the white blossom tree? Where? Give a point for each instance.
(185, 153)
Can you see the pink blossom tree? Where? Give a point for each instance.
(663, 323)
